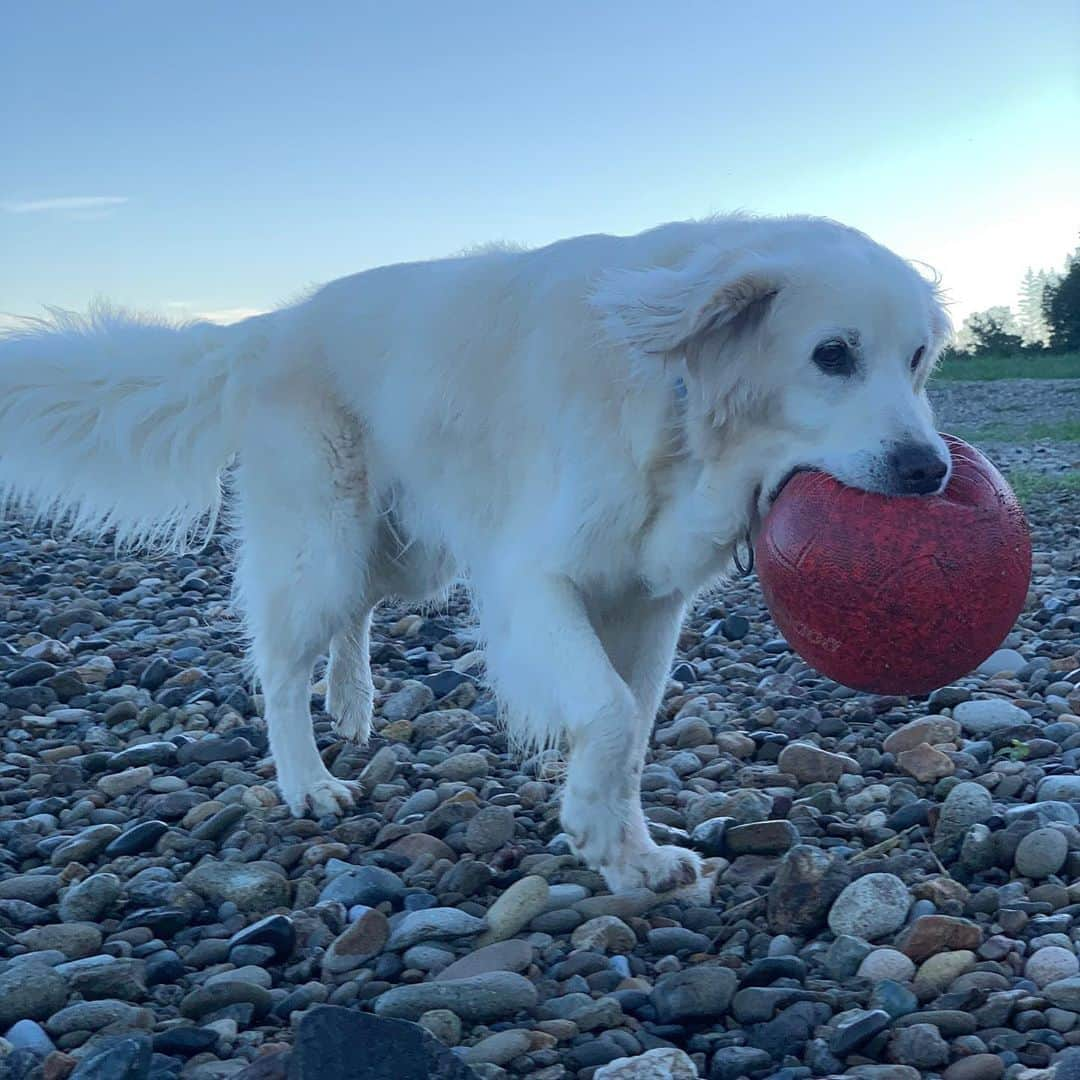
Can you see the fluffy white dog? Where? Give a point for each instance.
(584, 433)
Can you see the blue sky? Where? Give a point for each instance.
(222, 157)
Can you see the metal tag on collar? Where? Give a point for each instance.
(744, 566)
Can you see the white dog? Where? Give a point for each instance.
(583, 432)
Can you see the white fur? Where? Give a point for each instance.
(509, 416)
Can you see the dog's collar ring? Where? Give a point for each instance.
(745, 566)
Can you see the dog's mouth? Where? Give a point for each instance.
(775, 493)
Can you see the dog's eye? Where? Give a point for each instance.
(834, 358)
(917, 358)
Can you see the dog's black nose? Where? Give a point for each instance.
(917, 469)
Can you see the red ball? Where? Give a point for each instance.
(896, 594)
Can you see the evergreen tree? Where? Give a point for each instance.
(994, 331)
(1032, 320)
(1061, 308)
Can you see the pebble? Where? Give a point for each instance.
(871, 907)
(484, 998)
(30, 992)
(515, 909)
(663, 1063)
(1051, 964)
(1041, 853)
(434, 924)
(887, 964)
(364, 938)
(254, 888)
(989, 715)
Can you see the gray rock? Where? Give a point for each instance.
(481, 999)
(1041, 853)
(489, 830)
(84, 846)
(94, 1015)
(807, 883)
(367, 885)
(988, 715)
(30, 991)
(871, 907)
(966, 804)
(255, 888)
(328, 1039)
(90, 899)
(697, 993)
(434, 924)
(1002, 660)
(1064, 788)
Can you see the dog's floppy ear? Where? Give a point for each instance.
(661, 311)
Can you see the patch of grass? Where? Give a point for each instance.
(1066, 431)
(991, 368)
(1027, 483)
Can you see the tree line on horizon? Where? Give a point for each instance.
(1047, 319)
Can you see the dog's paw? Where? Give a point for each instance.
(351, 715)
(661, 869)
(322, 797)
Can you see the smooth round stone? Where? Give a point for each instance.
(443, 1024)
(166, 785)
(229, 991)
(515, 909)
(663, 1063)
(480, 999)
(366, 885)
(1050, 964)
(490, 830)
(94, 1015)
(1002, 660)
(90, 899)
(935, 974)
(75, 939)
(976, 1067)
(887, 964)
(871, 907)
(434, 924)
(562, 896)
(985, 716)
(275, 931)
(250, 974)
(1041, 853)
(513, 955)
(361, 940)
(253, 887)
(604, 934)
(1065, 788)
(27, 1035)
(136, 840)
(500, 1048)
(966, 804)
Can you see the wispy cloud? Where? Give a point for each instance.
(191, 310)
(229, 315)
(67, 202)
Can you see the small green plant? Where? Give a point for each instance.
(1017, 751)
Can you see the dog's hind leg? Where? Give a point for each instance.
(306, 537)
(412, 571)
(350, 694)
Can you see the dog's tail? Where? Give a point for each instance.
(111, 421)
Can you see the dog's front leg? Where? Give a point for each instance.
(551, 669)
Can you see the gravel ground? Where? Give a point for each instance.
(894, 891)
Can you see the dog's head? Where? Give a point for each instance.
(812, 350)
